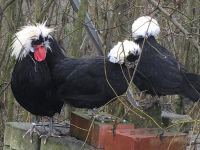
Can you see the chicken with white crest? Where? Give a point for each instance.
(158, 72)
(31, 81)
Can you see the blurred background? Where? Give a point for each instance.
(112, 20)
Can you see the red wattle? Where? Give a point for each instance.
(40, 53)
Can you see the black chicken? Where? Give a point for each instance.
(31, 81)
(91, 82)
(158, 72)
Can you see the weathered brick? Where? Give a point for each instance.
(144, 139)
(81, 122)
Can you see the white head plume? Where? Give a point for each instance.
(121, 50)
(21, 44)
(145, 26)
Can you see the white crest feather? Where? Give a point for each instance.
(121, 50)
(145, 26)
(21, 44)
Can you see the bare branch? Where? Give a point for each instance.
(5, 88)
(177, 24)
(7, 5)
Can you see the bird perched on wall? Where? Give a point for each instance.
(158, 72)
(44, 78)
(31, 81)
(92, 82)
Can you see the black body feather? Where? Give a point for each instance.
(32, 87)
(159, 73)
(84, 82)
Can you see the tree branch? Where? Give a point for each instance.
(177, 24)
(7, 5)
(5, 88)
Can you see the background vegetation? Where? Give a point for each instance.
(180, 32)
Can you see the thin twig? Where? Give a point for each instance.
(7, 5)
(5, 88)
(177, 24)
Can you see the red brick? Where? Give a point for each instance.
(144, 139)
(98, 131)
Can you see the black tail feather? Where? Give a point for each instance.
(192, 90)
